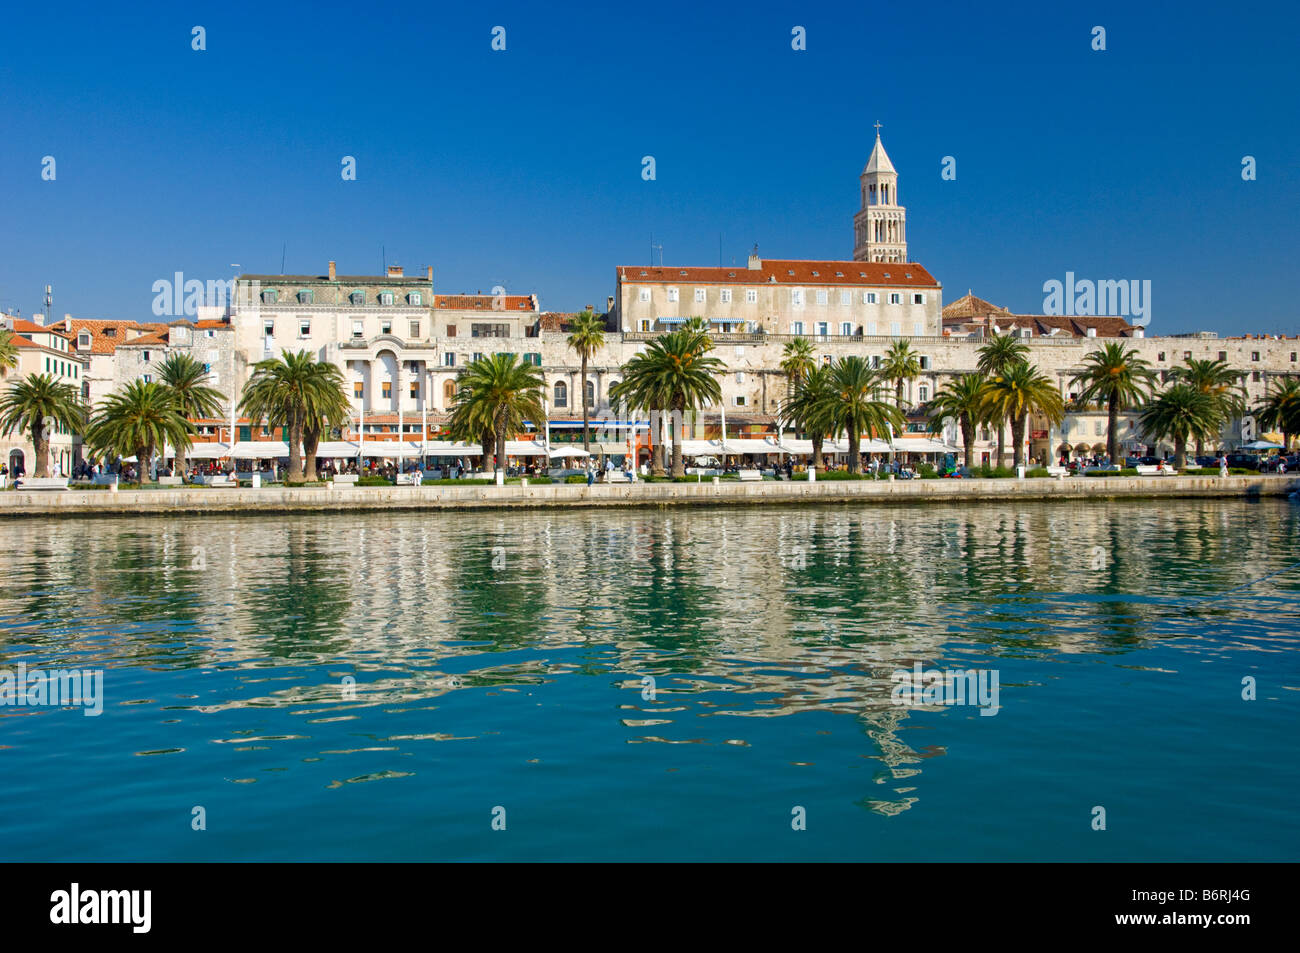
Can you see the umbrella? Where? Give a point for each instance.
(1261, 445)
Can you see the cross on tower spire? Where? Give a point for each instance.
(877, 128)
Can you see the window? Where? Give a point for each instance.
(561, 394)
(414, 298)
(826, 360)
(449, 392)
(725, 296)
(1255, 376)
(796, 297)
(846, 328)
(645, 294)
(304, 297)
(268, 328)
(358, 329)
(387, 388)
(918, 298)
(699, 296)
(451, 330)
(477, 356)
(304, 327)
(591, 394)
(1254, 355)
(357, 298)
(1098, 428)
(448, 359)
(1160, 356)
(821, 296)
(823, 329)
(1223, 356)
(870, 297)
(872, 328)
(918, 328)
(1293, 357)
(148, 378)
(740, 350)
(489, 330)
(923, 393)
(269, 296)
(1187, 355)
(740, 377)
(875, 362)
(211, 333)
(925, 363)
(110, 332)
(358, 389)
(83, 339)
(415, 389)
(796, 327)
(145, 357)
(751, 296)
(385, 327)
(895, 328)
(414, 329)
(646, 324)
(846, 298)
(385, 297)
(895, 298)
(739, 400)
(672, 295)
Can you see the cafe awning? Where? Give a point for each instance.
(260, 450)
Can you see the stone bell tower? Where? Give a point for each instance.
(880, 226)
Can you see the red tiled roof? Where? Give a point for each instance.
(99, 342)
(481, 302)
(23, 326)
(783, 271)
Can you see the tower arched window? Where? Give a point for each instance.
(561, 394)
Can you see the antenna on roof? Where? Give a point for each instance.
(283, 247)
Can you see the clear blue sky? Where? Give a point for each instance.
(523, 168)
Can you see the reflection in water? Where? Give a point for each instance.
(736, 614)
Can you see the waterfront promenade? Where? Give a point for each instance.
(205, 500)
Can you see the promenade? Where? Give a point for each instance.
(204, 500)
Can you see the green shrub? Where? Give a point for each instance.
(1037, 473)
(374, 481)
(993, 473)
(926, 471)
(575, 478)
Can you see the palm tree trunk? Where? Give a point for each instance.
(310, 443)
(1180, 452)
(41, 445)
(142, 457)
(968, 440)
(1018, 439)
(657, 443)
(586, 440)
(1002, 443)
(817, 451)
(898, 393)
(180, 463)
(295, 450)
(679, 468)
(855, 454)
(1112, 426)
(501, 444)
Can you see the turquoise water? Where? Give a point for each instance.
(500, 662)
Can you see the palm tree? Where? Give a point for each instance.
(1180, 413)
(997, 354)
(1218, 380)
(676, 369)
(853, 405)
(8, 351)
(809, 408)
(1120, 378)
(277, 392)
(495, 395)
(962, 399)
(899, 366)
(1016, 393)
(187, 381)
(641, 391)
(139, 420)
(586, 337)
(1280, 410)
(39, 404)
(796, 363)
(326, 407)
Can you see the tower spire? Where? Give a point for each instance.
(880, 226)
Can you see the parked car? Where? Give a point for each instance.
(1243, 461)
(1204, 461)
(1273, 464)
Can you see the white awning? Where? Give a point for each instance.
(757, 445)
(922, 445)
(700, 448)
(207, 451)
(565, 451)
(260, 450)
(525, 448)
(389, 448)
(336, 448)
(452, 448)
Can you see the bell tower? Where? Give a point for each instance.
(880, 226)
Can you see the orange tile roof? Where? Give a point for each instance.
(783, 271)
(481, 302)
(100, 343)
(23, 326)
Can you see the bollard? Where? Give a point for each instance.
(1020, 472)
(812, 474)
(523, 481)
(717, 480)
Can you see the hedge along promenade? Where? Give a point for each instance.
(318, 499)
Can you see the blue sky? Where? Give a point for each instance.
(523, 168)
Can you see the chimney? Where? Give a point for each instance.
(755, 263)
(394, 271)
(331, 271)
(1090, 332)
(609, 302)
(431, 272)
(1139, 333)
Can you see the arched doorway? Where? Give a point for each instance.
(16, 461)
